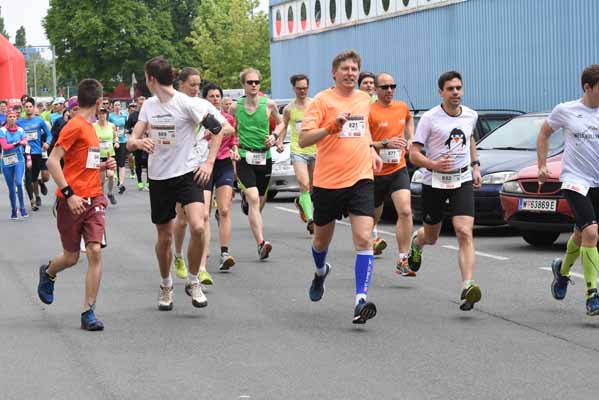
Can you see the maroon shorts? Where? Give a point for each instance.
(89, 225)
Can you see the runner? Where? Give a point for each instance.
(140, 156)
(227, 102)
(302, 159)
(223, 177)
(58, 107)
(452, 171)
(118, 117)
(13, 141)
(388, 121)
(35, 127)
(131, 108)
(3, 111)
(107, 134)
(252, 113)
(337, 120)
(366, 84)
(80, 206)
(172, 118)
(579, 120)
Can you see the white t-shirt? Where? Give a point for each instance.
(581, 131)
(441, 133)
(175, 124)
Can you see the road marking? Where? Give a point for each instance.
(576, 274)
(480, 253)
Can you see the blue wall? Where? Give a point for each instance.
(517, 54)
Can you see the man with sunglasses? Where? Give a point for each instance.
(252, 113)
(302, 159)
(451, 172)
(389, 120)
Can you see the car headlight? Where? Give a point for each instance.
(497, 178)
(418, 176)
(511, 187)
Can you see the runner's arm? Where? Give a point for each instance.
(137, 141)
(48, 133)
(542, 148)
(419, 159)
(283, 132)
(54, 167)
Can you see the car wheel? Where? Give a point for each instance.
(270, 195)
(540, 238)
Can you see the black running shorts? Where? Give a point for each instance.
(585, 208)
(332, 204)
(257, 176)
(385, 185)
(164, 194)
(461, 202)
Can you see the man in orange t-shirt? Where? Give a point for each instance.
(388, 120)
(80, 205)
(337, 122)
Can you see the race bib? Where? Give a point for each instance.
(162, 131)
(105, 145)
(10, 159)
(576, 187)
(353, 127)
(27, 149)
(45, 154)
(442, 180)
(93, 158)
(31, 135)
(391, 156)
(298, 126)
(255, 158)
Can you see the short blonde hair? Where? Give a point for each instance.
(247, 71)
(347, 55)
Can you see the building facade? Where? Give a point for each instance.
(513, 54)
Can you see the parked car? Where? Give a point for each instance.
(283, 177)
(540, 213)
(502, 153)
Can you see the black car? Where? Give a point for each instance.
(502, 153)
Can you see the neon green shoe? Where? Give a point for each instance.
(140, 186)
(180, 268)
(205, 278)
(415, 258)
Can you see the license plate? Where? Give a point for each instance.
(537, 205)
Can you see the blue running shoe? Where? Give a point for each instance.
(89, 321)
(559, 286)
(45, 288)
(364, 311)
(317, 287)
(13, 214)
(24, 213)
(593, 303)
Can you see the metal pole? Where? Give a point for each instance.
(35, 79)
(54, 70)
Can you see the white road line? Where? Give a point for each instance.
(480, 253)
(581, 276)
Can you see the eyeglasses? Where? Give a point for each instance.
(251, 83)
(387, 87)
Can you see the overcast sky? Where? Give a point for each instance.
(15, 16)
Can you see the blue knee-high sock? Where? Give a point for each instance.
(363, 271)
(319, 260)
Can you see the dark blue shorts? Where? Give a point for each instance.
(222, 173)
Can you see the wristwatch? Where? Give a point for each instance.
(67, 191)
(475, 162)
(385, 142)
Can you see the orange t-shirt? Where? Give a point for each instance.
(340, 161)
(386, 123)
(76, 138)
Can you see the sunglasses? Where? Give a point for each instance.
(387, 87)
(251, 83)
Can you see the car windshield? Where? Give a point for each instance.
(520, 134)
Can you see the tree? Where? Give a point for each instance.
(39, 76)
(20, 40)
(228, 36)
(2, 28)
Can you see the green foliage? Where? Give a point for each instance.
(20, 38)
(228, 36)
(2, 28)
(39, 76)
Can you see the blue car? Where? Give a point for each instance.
(502, 153)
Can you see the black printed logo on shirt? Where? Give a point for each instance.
(456, 137)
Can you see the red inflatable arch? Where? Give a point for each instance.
(12, 71)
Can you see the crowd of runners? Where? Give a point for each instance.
(348, 150)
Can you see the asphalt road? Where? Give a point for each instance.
(261, 338)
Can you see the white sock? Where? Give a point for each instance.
(321, 271)
(167, 282)
(467, 284)
(375, 232)
(360, 297)
(192, 279)
(177, 255)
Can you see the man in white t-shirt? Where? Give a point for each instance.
(579, 120)
(452, 171)
(172, 118)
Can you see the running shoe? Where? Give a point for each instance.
(469, 297)
(180, 268)
(132, 176)
(364, 311)
(122, 189)
(559, 286)
(245, 207)
(403, 268)
(317, 287)
(264, 250)
(165, 298)
(13, 214)
(379, 245)
(415, 258)
(34, 207)
(205, 278)
(198, 298)
(45, 287)
(146, 187)
(89, 322)
(24, 213)
(593, 303)
(310, 227)
(226, 262)
(302, 214)
(38, 201)
(43, 187)
(112, 199)
(140, 186)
